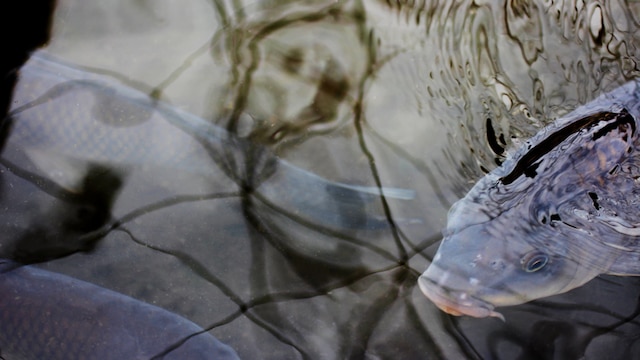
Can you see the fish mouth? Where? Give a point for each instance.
(456, 303)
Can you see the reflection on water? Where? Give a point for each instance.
(383, 96)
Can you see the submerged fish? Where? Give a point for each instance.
(563, 210)
(44, 315)
(64, 111)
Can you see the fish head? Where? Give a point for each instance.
(555, 215)
(487, 261)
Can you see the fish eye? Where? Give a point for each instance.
(534, 261)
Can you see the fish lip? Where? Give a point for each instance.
(443, 299)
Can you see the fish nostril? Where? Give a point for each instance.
(497, 265)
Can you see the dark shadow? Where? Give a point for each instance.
(60, 231)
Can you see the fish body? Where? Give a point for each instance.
(45, 315)
(63, 111)
(563, 210)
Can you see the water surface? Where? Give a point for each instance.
(426, 97)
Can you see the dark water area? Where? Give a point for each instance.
(279, 172)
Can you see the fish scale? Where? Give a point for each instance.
(154, 133)
(44, 315)
(59, 109)
(42, 124)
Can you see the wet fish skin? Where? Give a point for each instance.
(45, 315)
(563, 210)
(63, 110)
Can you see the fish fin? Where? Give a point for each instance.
(390, 192)
(328, 203)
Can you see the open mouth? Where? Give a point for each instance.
(456, 302)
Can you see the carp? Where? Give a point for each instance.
(562, 210)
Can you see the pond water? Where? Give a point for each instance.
(270, 230)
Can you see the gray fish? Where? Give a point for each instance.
(67, 112)
(563, 210)
(44, 315)
(87, 117)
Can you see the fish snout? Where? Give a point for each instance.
(455, 302)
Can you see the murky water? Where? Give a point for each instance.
(425, 96)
